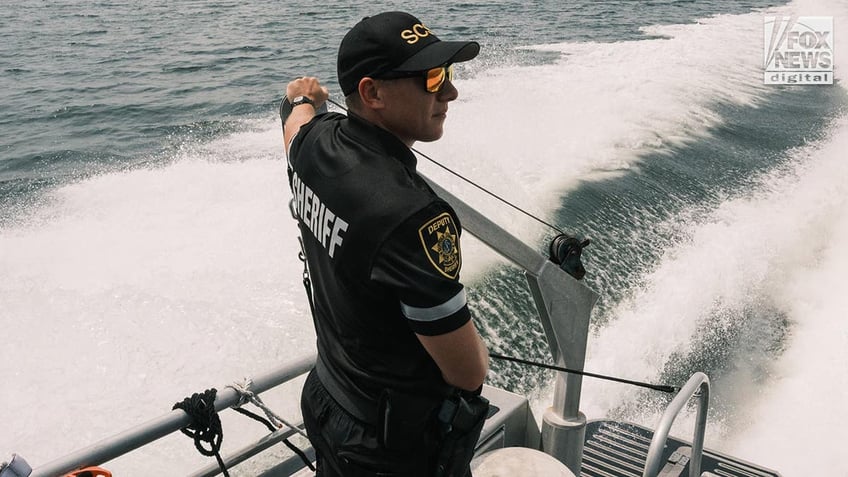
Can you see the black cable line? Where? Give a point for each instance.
(655, 387)
(271, 428)
(472, 183)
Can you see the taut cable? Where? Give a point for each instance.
(469, 181)
(655, 387)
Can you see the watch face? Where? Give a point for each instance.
(299, 99)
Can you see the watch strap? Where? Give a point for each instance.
(286, 107)
(302, 100)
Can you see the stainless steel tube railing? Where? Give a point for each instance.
(127, 441)
(698, 385)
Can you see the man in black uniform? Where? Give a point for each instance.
(395, 338)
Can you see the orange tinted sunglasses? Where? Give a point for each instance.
(434, 78)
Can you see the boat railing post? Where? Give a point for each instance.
(564, 309)
(564, 306)
(697, 385)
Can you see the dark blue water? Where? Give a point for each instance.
(93, 85)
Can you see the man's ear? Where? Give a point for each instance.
(370, 93)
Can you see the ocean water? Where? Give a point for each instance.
(146, 252)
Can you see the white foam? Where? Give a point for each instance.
(783, 245)
(809, 386)
(529, 133)
(782, 248)
(146, 286)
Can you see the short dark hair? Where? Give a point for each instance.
(354, 101)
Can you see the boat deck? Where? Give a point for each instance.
(619, 449)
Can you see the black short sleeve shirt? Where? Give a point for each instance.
(383, 252)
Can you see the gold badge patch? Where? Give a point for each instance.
(440, 239)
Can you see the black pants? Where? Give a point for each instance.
(347, 447)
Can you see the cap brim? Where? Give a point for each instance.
(440, 53)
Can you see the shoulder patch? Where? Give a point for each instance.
(440, 238)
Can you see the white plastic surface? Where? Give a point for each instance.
(518, 462)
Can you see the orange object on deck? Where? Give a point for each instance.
(90, 472)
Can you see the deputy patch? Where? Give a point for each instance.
(440, 238)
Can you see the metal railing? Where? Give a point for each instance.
(698, 385)
(127, 441)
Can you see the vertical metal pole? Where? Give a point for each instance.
(564, 308)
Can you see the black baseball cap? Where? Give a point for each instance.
(394, 42)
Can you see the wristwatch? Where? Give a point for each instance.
(286, 106)
(298, 100)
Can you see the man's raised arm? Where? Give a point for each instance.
(300, 93)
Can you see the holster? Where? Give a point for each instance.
(461, 420)
(407, 422)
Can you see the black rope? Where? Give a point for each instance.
(655, 387)
(271, 428)
(205, 426)
(256, 417)
(472, 183)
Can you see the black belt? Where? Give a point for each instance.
(365, 411)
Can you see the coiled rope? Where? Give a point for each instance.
(205, 425)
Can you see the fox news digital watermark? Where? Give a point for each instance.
(798, 50)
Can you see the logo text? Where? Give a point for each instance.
(798, 50)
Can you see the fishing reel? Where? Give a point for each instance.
(565, 251)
